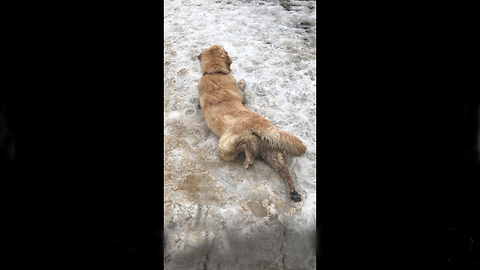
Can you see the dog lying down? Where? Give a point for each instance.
(240, 130)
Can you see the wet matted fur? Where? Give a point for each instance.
(222, 102)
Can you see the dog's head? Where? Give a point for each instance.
(215, 59)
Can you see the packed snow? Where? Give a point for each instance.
(217, 214)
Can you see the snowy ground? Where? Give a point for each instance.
(218, 215)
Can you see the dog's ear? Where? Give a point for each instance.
(200, 56)
(229, 61)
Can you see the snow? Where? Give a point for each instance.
(217, 214)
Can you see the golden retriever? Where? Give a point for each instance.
(222, 102)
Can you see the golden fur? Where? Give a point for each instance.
(239, 130)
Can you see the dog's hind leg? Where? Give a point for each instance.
(230, 145)
(276, 160)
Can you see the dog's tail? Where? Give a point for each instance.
(281, 140)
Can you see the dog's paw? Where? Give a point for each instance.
(295, 196)
(241, 84)
(247, 165)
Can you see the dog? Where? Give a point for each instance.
(222, 102)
